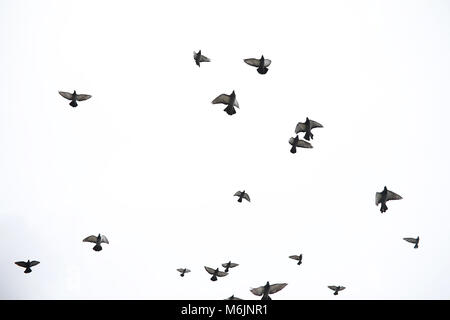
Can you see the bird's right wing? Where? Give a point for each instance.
(223, 98)
(222, 273)
(82, 97)
(180, 270)
(300, 127)
(66, 95)
(21, 264)
(204, 59)
(232, 265)
(332, 287)
(195, 54)
(276, 287)
(314, 124)
(341, 288)
(238, 194)
(392, 196)
(253, 62)
(304, 144)
(187, 271)
(377, 198)
(411, 240)
(210, 270)
(258, 291)
(246, 197)
(295, 257)
(267, 62)
(291, 141)
(104, 239)
(90, 239)
(34, 263)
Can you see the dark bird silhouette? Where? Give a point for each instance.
(384, 196)
(229, 265)
(216, 273)
(242, 195)
(233, 298)
(229, 100)
(183, 271)
(98, 240)
(267, 289)
(299, 258)
(413, 240)
(306, 127)
(261, 64)
(27, 265)
(198, 57)
(296, 142)
(74, 97)
(336, 289)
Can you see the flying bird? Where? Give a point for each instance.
(267, 289)
(261, 64)
(229, 265)
(229, 100)
(198, 57)
(299, 258)
(296, 142)
(233, 298)
(74, 97)
(242, 195)
(183, 271)
(98, 240)
(27, 265)
(336, 289)
(306, 127)
(384, 196)
(413, 240)
(216, 273)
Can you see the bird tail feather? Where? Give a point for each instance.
(73, 103)
(97, 247)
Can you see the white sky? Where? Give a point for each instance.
(152, 164)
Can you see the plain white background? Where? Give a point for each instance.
(152, 164)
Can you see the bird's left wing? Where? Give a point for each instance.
(252, 62)
(295, 257)
(267, 62)
(232, 265)
(66, 95)
(223, 98)
(34, 263)
(90, 239)
(204, 59)
(300, 127)
(82, 97)
(315, 124)
(210, 270)
(21, 264)
(304, 144)
(412, 240)
(258, 291)
(276, 287)
(392, 196)
(246, 197)
(105, 239)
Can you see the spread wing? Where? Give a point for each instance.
(195, 54)
(301, 127)
(210, 270)
(377, 198)
(232, 265)
(392, 196)
(332, 287)
(222, 273)
(223, 98)
(341, 288)
(303, 144)
(246, 197)
(253, 62)
(314, 124)
(82, 97)
(276, 287)
(104, 239)
(66, 95)
(22, 264)
(187, 271)
(204, 59)
(233, 298)
(267, 62)
(258, 291)
(90, 239)
(411, 240)
(295, 257)
(236, 103)
(238, 193)
(34, 263)
(180, 270)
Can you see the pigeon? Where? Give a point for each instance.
(336, 289)
(242, 195)
(233, 298)
(183, 271)
(74, 97)
(261, 64)
(296, 142)
(229, 100)
(267, 289)
(384, 196)
(413, 240)
(216, 273)
(27, 265)
(198, 57)
(306, 127)
(98, 240)
(229, 265)
(299, 258)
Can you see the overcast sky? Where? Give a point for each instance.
(152, 164)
